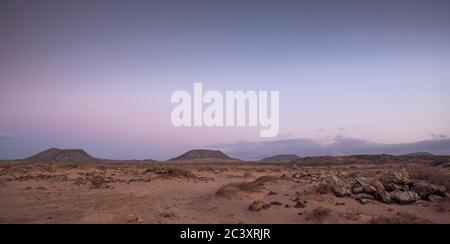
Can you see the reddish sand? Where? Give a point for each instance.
(148, 193)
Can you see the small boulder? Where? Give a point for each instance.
(328, 183)
(363, 196)
(400, 177)
(434, 198)
(136, 220)
(331, 183)
(364, 183)
(357, 189)
(364, 201)
(380, 192)
(258, 205)
(391, 186)
(341, 191)
(404, 197)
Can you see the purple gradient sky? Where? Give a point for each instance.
(98, 75)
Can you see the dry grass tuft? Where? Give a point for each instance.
(319, 214)
(236, 189)
(179, 173)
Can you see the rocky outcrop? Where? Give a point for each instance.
(341, 191)
(396, 187)
(380, 192)
(425, 190)
(331, 183)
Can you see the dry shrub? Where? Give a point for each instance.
(176, 172)
(400, 218)
(69, 166)
(5, 166)
(235, 189)
(48, 168)
(444, 206)
(182, 173)
(431, 174)
(319, 214)
(98, 182)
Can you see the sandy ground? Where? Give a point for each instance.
(147, 193)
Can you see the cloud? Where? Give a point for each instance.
(438, 136)
(4, 136)
(338, 146)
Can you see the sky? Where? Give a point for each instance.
(99, 75)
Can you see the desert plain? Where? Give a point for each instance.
(211, 188)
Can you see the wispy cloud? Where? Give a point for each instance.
(5, 136)
(338, 146)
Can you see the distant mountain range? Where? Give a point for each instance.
(204, 155)
(338, 146)
(418, 154)
(282, 157)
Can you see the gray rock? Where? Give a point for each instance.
(426, 189)
(404, 197)
(328, 184)
(434, 198)
(358, 189)
(364, 201)
(380, 192)
(363, 196)
(365, 184)
(341, 191)
(400, 177)
(390, 187)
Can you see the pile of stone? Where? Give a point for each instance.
(95, 180)
(395, 187)
(311, 175)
